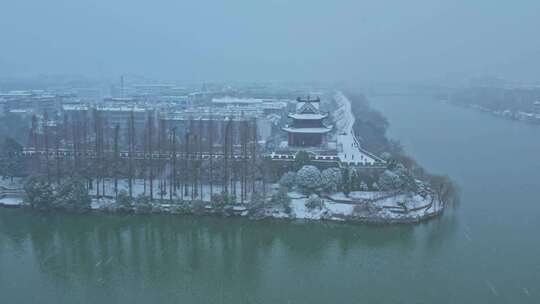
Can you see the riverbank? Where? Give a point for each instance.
(512, 103)
(522, 116)
(360, 206)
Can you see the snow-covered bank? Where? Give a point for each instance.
(528, 117)
(360, 206)
(11, 201)
(375, 207)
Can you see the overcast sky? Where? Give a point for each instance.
(332, 40)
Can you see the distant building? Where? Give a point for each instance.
(112, 114)
(31, 101)
(268, 106)
(204, 119)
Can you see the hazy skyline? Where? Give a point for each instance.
(243, 40)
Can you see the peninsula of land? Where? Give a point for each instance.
(323, 156)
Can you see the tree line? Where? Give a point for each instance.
(187, 165)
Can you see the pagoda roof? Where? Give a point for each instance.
(306, 108)
(308, 99)
(320, 130)
(307, 116)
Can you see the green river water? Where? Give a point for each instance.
(487, 250)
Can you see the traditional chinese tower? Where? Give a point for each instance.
(307, 128)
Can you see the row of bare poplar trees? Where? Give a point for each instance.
(172, 163)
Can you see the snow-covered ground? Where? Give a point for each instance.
(375, 206)
(349, 147)
(11, 201)
(359, 205)
(139, 188)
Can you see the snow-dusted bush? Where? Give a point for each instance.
(288, 180)
(143, 204)
(180, 209)
(390, 181)
(39, 192)
(421, 187)
(386, 156)
(256, 204)
(257, 198)
(280, 198)
(365, 209)
(72, 195)
(354, 180)
(198, 206)
(409, 182)
(309, 178)
(375, 186)
(123, 200)
(301, 159)
(314, 202)
(223, 198)
(363, 186)
(331, 179)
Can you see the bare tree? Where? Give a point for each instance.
(244, 130)
(200, 160)
(172, 182)
(226, 151)
(57, 158)
(116, 163)
(149, 139)
(161, 164)
(131, 151)
(253, 151)
(211, 154)
(46, 142)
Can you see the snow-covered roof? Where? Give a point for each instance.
(18, 111)
(307, 130)
(71, 107)
(229, 99)
(107, 108)
(307, 116)
(123, 108)
(308, 99)
(123, 99)
(274, 105)
(307, 107)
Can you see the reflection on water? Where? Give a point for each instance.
(166, 249)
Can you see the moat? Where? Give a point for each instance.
(485, 249)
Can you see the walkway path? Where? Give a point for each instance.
(349, 150)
